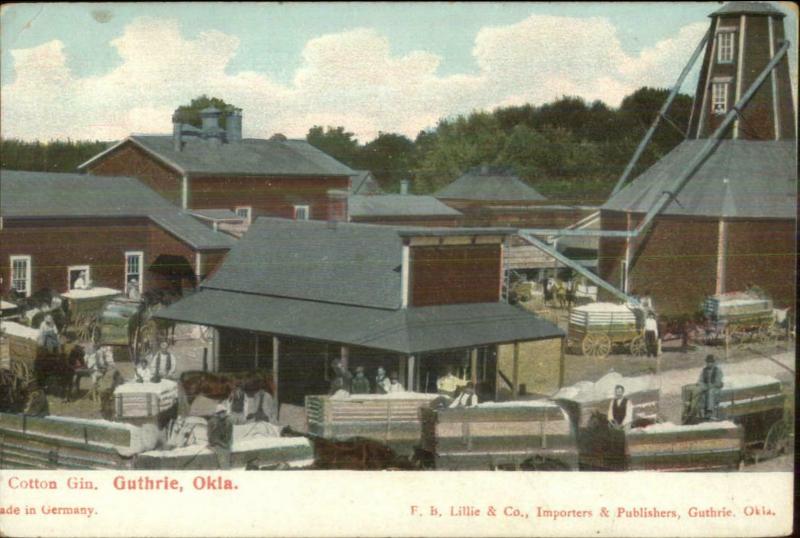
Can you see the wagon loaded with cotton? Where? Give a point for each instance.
(739, 318)
(528, 435)
(754, 402)
(596, 329)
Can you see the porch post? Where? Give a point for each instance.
(411, 372)
(344, 354)
(515, 371)
(473, 365)
(255, 356)
(276, 344)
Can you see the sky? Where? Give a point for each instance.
(103, 71)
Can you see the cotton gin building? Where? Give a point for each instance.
(732, 224)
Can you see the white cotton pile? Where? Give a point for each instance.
(517, 403)
(91, 292)
(141, 438)
(16, 329)
(603, 307)
(603, 388)
(741, 381)
(343, 395)
(666, 427)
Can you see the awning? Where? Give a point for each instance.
(409, 331)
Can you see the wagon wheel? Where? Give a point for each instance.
(777, 439)
(638, 347)
(85, 327)
(596, 345)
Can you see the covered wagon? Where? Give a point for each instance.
(83, 310)
(738, 318)
(532, 434)
(392, 419)
(596, 328)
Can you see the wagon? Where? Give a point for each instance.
(531, 435)
(756, 403)
(738, 318)
(391, 419)
(596, 328)
(83, 311)
(18, 350)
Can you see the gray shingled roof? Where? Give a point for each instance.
(747, 8)
(489, 184)
(390, 205)
(248, 157)
(408, 331)
(216, 214)
(363, 182)
(46, 194)
(337, 263)
(740, 178)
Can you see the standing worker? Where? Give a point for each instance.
(163, 363)
(651, 335)
(382, 383)
(620, 412)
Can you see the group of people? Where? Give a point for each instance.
(563, 291)
(162, 364)
(344, 382)
(705, 399)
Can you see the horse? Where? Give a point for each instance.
(57, 369)
(219, 386)
(356, 454)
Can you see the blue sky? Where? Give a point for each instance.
(103, 70)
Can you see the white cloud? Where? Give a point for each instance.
(350, 78)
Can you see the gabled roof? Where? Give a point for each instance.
(741, 178)
(489, 184)
(398, 205)
(363, 182)
(316, 261)
(47, 194)
(250, 156)
(409, 331)
(748, 8)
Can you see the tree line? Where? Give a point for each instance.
(569, 150)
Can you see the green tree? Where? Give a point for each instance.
(390, 158)
(336, 142)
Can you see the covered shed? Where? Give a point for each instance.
(402, 209)
(293, 295)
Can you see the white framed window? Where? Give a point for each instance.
(719, 97)
(725, 47)
(244, 212)
(21, 274)
(134, 262)
(79, 277)
(301, 212)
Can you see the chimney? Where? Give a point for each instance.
(233, 127)
(177, 138)
(211, 130)
(404, 183)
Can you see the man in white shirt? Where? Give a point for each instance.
(467, 398)
(620, 410)
(163, 363)
(395, 385)
(651, 335)
(448, 384)
(82, 282)
(382, 383)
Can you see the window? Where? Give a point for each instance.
(719, 97)
(133, 270)
(244, 212)
(78, 277)
(301, 212)
(725, 47)
(21, 274)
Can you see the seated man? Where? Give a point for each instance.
(467, 398)
(620, 410)
(163, 363)
(360, 384)
(48, 335)
(142, 372)
(448, 384)
(709, 385)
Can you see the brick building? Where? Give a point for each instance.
(291, 296)
(733, 222)
(215, 168)
(54, 226)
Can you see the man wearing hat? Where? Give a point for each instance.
(709, 386)
(220, 435)
(382, 383)
(360, 384)
(163, 363)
